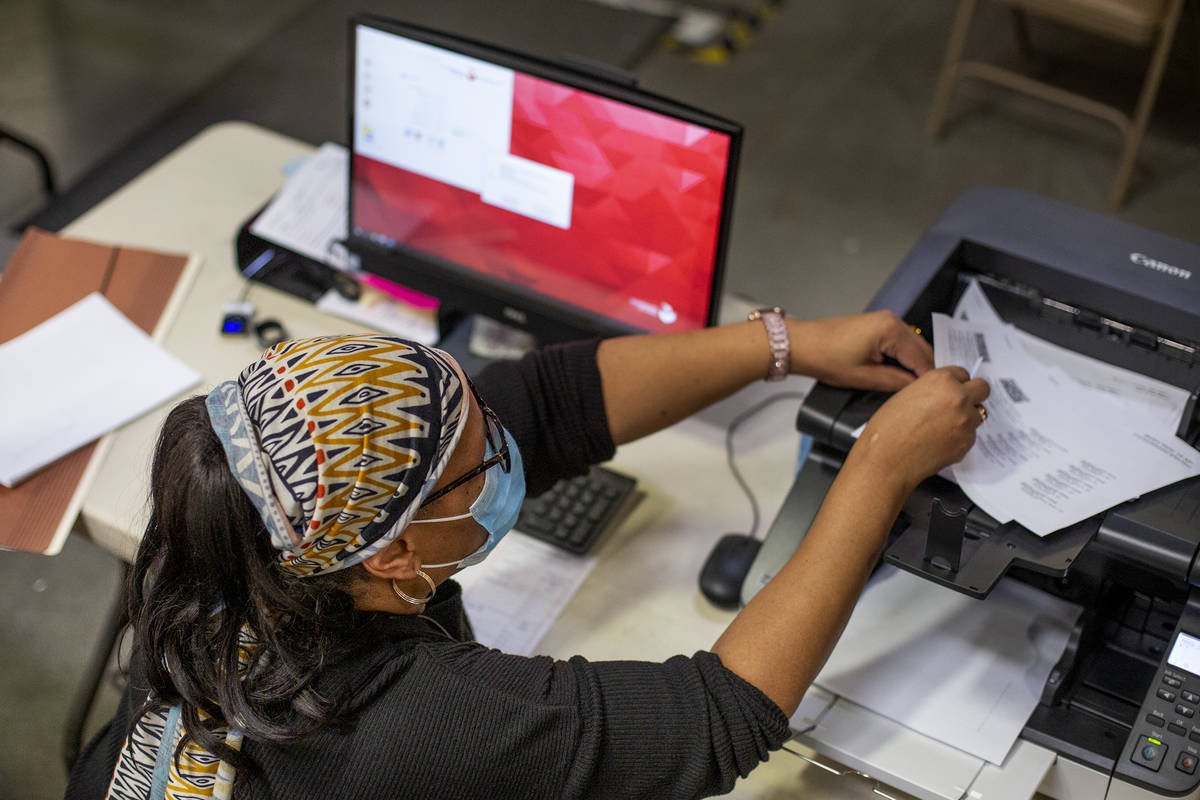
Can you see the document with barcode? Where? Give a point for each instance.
(1066, 436)
(514, 596)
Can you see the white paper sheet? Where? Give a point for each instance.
(515, 595)
(1157, 403)
(75, 377)
(1054, 451)
(1151, 397)
(974, 306)
(309, 213)
(962, 671)
(389, 316)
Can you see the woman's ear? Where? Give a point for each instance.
(396, 561)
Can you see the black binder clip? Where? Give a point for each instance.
(1189, 420)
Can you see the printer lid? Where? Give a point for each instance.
(1111, 266)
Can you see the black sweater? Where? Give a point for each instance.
(434, 716)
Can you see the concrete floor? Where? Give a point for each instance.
(836, 184)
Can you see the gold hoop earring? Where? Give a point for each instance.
(416, 601)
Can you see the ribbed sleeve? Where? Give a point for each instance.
(551, 402)
(432, 718)
(684, 728)
(462, 721)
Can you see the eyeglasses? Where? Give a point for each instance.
(497, 443)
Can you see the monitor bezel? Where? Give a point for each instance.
(463, 288)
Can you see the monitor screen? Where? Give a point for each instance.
(531, 192)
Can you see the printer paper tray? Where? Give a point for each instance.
(895, 756)
(880, 750)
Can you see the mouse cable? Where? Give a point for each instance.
(733, 426)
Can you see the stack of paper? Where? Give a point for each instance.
(1067, 436)
(75, 377)
(308, 216)
(383, 314)
(964, 672)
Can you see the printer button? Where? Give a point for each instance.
(1190, 697)
(1149, 753)
(1158, 722)
(1195, 735)
(1186, 763)
(1186, 711)
(1175, 727)
(1174, 683)
(1167, 695)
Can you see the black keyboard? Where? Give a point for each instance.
(575, 512)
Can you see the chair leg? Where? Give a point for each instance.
(1195, 8)
(949, 74)
(1021, 29)
(45, 170)
(1145, 104)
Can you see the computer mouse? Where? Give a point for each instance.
(725, 569)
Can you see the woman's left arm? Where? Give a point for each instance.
(653, 381)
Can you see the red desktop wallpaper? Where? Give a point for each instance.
(644, 218)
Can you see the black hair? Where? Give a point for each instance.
(206, 570)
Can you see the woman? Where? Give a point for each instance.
(297, 634)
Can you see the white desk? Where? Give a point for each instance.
(640, 602)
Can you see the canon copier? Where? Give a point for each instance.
(1109, 290)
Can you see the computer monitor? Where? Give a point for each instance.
(555, 200)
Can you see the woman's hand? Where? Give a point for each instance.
(925, 427)
(849, 351)
(780, 640)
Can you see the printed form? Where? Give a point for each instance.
(972, 672)
(309, 213)
(514, 596)
(1067, 436)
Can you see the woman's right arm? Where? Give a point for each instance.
(781, 639)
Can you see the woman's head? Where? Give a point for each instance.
(317, 458)
(336, 440)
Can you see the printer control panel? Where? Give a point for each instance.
(1163, 749)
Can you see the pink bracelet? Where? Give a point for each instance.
(777, 336)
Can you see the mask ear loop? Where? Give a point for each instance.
(416, 601)
(455, 518)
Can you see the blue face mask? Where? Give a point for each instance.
(496, 507)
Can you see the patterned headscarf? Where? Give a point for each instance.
(336, 439)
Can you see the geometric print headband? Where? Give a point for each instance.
(337, 439)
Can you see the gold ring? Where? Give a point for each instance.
(982, 413)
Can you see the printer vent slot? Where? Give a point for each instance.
(1141, 624)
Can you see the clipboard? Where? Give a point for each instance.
(47, 274)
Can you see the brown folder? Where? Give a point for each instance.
(46, 275)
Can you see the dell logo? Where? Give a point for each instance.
(515, 315)
(1160, 266)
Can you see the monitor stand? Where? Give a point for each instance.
(492, 339)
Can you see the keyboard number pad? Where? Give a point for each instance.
(576, 511)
